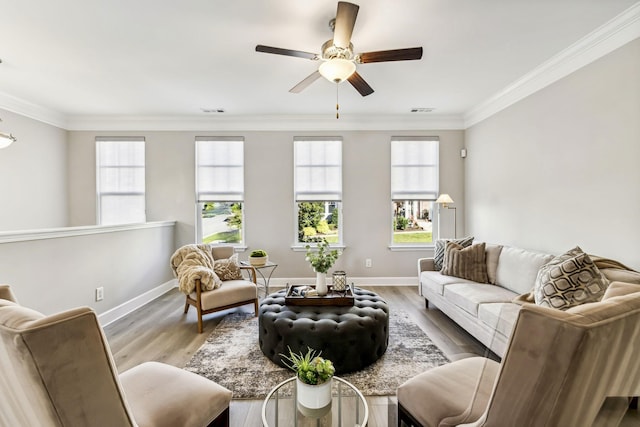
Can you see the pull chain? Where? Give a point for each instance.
(337, 104)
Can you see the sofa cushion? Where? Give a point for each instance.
(569, 280)
(438, 252)
(492, 257)
(518, 268)
(228, 268)
(435, 282)
(499, 315)
(467, 263)
(468, 296)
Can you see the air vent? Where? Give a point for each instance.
(422, 110)
(212, 110)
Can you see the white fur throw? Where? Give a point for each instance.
(192, 262)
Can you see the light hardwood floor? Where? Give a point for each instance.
(160, 331)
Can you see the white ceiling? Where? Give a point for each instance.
(135, 58)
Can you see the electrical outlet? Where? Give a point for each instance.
(99, 293)
(367, 262)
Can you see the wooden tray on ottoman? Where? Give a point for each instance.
(331, 298)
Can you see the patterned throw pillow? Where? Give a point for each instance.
(466, 263)
(227, 269)
(438, 253)
(569, 280)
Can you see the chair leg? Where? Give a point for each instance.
(405, 418)
(255, 307)
(222, 420)
(199, 320)
(186, 305)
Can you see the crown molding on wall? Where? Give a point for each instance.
(32, 111)
(264, 123)
(614, 34)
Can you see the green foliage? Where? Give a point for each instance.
(334, 218)
(258, 253)
(311, 369)
(309, 214)
(308, 232)
(323, 259)
(232, 236)
(235, 221)
(401, 223)
(323, 227)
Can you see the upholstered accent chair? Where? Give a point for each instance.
(573, 368)
(232, 293)
(58, 371)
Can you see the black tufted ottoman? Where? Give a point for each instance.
(351, 337)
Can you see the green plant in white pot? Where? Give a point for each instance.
(313, 379)
(321, 261)
(258, 258)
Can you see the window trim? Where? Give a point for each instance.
(298, 245)
(199, 200)
(429, 196)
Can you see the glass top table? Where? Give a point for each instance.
(348, 407)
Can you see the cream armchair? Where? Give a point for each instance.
(574, 368)
(58, 371)
(194, 267)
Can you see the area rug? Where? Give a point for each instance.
(231, 357)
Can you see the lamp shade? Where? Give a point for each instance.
(6, 140)
(337, 70)
(444, 199)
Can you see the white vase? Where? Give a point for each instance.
(313, 400)
(321, 283)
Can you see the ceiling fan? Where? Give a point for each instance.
(339, 61)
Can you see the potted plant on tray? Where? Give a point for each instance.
(258, 258)
(313, 378)
(321, 261)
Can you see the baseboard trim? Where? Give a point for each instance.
(125, 308)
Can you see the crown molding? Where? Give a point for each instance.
(619, 31)
(264, 123)
(32, 111)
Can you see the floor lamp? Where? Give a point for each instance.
(443, 200)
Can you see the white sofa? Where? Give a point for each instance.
(485, 310)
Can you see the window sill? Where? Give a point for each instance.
(428, 247)
(298, 247)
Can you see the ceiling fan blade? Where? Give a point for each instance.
(286, 52)
(361, 86)
(391, 55)
(345, 21)
(306, 82)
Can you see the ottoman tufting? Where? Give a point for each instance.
(351, 337)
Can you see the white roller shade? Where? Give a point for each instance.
(120, 180)
(219, 169)
(414, 168)
(318, 169)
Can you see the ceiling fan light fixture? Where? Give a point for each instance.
(337, 70)
(6, 139)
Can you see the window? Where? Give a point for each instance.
(318, 189)
(414, 188)
(220, 189)
(120, 180)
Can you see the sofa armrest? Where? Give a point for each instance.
(426, 264)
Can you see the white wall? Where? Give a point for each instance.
(561, 167)
(269, 214)
(33, 175)
(55, 274)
